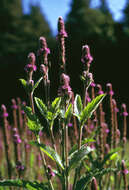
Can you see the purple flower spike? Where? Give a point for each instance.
(50, 172)
(125, 113)
(31, 58)
(27, 146)
(22, 112)
(30, 67)
(94, 184)
(43, 47)
(65, 89)
(31, 63)
(40, 133)
(107, 130)
(14, 107)
(124, 170)
(116, 109)
(19, 166)
(109, 85)
(93, 84)
(70, 124)
(100, 91)
(88, 99)
(111, 92)
(86, 56)
(61, 28)
(17, 138)
(5, 114)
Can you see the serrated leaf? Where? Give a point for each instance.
(85, 180)
(32, 119)
(36, 84)
(41, 106)
(77, 157)
(49, 152)
(78, 105)
(68, 114)
(90, 108)
(24, 183)
(75, 147)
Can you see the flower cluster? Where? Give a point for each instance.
(61, 28)
(65, 88)
(31, 63)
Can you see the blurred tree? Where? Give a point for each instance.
(35, 25)
(126, 13)
(94, 27)
(10, 15)
(19, 35)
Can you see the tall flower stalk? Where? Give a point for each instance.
(6, 139)
(30, 68)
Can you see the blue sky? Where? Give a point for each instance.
(55, 8)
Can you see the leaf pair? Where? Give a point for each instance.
(32, 119)
(66, 115)
(50, 152)
(29, 88)
(84, 114)
(51, 113)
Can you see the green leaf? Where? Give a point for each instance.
(41, 106)
(77, 105)
(49, 116)
(25, 85)
(90, 108)
(32, 119)
(25, 184)
(68, 114)
(75, 147)
(49, 152)
(55, 105)
(108, 156)
(78, 156)
(36, 84)
(85, 180)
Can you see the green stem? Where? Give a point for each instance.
(31, 102)
(45, 166)
(66, 154)
(52, 136)
(80, 138)
(79, 146)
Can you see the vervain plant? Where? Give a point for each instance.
(89, 163)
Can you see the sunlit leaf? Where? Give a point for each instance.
(24, 184)
(90, 108)
(75, 147)
(78, 105)
(78, 156)
(36, 84)
(49, 152)
(32, 119)
(68, 114)
(41, 106)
